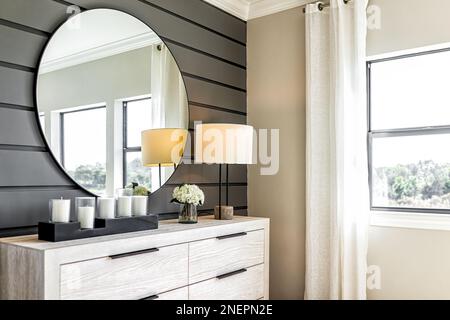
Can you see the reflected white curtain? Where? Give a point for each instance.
(169, 101)
(337, 209)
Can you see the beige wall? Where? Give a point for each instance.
(276, 99)
(100, 81)
(414, 264)
(409, 24)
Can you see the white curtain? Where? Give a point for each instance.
(337, 208)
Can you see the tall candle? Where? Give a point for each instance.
(140, 205)
(86, 217)
(124, 206)
(106, 207)
(60, 211)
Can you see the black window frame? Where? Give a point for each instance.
(127, 149)
(62, 132)
(401, 132)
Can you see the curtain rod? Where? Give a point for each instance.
(322, 6)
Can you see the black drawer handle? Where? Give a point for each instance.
(131, 254)
(234, 273)
(154, 297)
(236, 235)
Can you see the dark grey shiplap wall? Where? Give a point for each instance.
(208, 44)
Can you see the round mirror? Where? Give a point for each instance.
(106, 84)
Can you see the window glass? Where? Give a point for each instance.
(138, 120)
(411, 172)
(84, 151)
(411, 92)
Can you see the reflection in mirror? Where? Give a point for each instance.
(105, 77)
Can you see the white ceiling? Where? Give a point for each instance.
(251, 9)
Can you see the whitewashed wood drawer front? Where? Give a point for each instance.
(135, 275)
(179, 294)
(214, 257)
(245, 284)
(209, 260)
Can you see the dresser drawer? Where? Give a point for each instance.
(178, 294)
(130, 276)
(245, 284)
(213, 257)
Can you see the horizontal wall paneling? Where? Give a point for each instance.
(207, 17)
(19, 127)
(209, 46)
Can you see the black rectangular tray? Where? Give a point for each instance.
(57, 232)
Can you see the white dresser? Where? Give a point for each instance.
(206, 261)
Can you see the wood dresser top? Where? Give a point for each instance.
(167, 226)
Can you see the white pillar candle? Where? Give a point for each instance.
(60, 211)
(106, 208)
(124, 208)
(140, 206)
(86, 217)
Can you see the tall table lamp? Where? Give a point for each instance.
(163, 148)
(220, 143)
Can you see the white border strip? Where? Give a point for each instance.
(238, 8)
(111, 49)
(247, 9)
(407, 220)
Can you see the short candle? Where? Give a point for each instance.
(140, 205)
(86, 217)
(60, 211)
(106, 207)
(85, 209)
(124, 206)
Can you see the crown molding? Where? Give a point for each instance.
(263, 8)
(247, 10)
(238, 8)
(110, 49)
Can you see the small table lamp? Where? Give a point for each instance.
(220, 143)
(163, 148)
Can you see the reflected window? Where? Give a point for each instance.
(83, 152)
(137, 118)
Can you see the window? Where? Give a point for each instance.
(83, 153)
(409, 132)
(137, 118)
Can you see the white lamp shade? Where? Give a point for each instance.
(220, 143)
(163, 147)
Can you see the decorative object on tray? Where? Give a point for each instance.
(107, 208)
(223, 143)
(139, 200)
(60, 210)
(124, 202)
(189, 197)
(85, 211)
(132, 216)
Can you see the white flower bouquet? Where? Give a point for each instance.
(188, 194)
